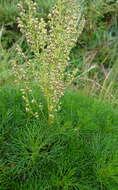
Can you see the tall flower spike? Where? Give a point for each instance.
(51, 43)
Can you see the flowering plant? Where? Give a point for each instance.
(50, 42)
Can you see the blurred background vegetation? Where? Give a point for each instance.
(95, 53)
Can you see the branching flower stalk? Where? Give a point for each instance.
(51, 42)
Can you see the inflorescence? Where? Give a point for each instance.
(50, 42)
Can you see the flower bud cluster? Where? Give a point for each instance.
(33, 29)
(51, 43)
(24, 74)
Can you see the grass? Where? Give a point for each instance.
(77, 151)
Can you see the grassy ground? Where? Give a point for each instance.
(78, 151)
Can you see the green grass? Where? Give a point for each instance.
(78, 151)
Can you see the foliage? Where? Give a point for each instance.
(78, 151)
(8, 14)
(97, 49)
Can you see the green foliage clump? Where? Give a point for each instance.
(78, 151)
(8, 26)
